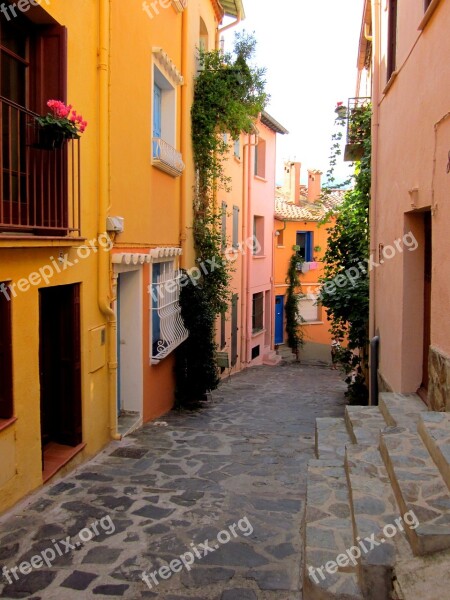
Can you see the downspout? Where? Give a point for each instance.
(221, 30)
(184, 128)
(376, 8)
(245, 260)
(104, 258)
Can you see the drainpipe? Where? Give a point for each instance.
(246, 261)
(184, 142)
(221, 30)
(104, 258)
(376, 8)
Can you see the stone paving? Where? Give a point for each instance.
(234, 469)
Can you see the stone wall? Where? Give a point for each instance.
(439, 382)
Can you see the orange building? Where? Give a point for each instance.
(298, 212)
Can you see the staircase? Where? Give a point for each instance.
(377, 519)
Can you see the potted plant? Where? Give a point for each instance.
(61, 123)
(341, 111)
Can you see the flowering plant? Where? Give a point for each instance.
(63, 120)
(341, 110)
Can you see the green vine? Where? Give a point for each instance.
(294, 329)
(345, 291)
(228, 97)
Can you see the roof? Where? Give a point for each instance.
(233, 7)
(271, 123)
(306, 211)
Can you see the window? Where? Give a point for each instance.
(33, 183)
(308, 310)
(427, 4)
(392, 38)
(224, 225)
(235, 227)
(166, 78)
(237, 148)
(304, 243)
(258, 312)
(234, 329)
(204, 37)
(258, 236)
(6, 387)
(167, 326)
(280, 238)
(260, 159)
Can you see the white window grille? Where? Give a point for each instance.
(308, 310)
(167, 326)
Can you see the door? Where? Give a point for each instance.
(60, 365)
(427, 301)
(234, 329)
(279, 320)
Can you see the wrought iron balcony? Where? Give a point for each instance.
(354, 147)
(166, 158)
(40, 188)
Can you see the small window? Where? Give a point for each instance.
(256, 351)
(308, 310)
(258, 236)
(235, 227)
(204, 37)
(224, 225)
(237, 148)
(258, 312)
(260, 159)
(6, 387)
(280, 238)
(392, 38)
(305, 245)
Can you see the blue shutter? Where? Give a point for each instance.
(156, 117)
(309, 247)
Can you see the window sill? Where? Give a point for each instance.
(5, 423)
(259, 256)
(258, 332)
(281, 246)
(238, 159)
(36, 241)
(390, 83)
(259, 178)
(428, 14)
(312, 323)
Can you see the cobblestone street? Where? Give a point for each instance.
(163, 491)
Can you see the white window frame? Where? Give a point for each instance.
(164, 295)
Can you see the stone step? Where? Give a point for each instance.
(328, 534)
(364, 424)
(434, 429)
(331, 438)
(419, 488)
(373, 507)
(401, 410)
(271, 358)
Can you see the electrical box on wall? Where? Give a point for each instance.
(97, 348)
(115, 224)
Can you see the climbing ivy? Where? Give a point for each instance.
(229, 94)
(294, 329)
(345, 291)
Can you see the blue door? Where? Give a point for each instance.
(279, 319)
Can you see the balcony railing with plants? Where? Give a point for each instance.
(39, 176)
(356, 130)
(166, 158)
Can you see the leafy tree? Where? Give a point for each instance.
(294, 328)
(345, 291)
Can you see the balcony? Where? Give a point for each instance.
(354, 148)
(166, 158)
(40, 189)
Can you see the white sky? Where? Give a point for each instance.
(309, 48)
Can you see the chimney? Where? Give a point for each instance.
(314, 184)
(292, 180)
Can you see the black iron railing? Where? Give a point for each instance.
(39, 184)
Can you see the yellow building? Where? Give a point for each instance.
(90, 233)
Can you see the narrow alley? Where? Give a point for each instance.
(218, 494)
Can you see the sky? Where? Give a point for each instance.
(309, 49)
